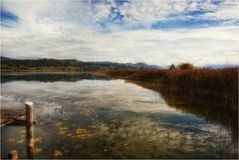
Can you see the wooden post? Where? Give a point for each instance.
(13, 155)
(29, 129)
(29, 113)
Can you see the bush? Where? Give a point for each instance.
(220, 85)
(186, 66)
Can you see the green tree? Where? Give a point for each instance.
(172, 67)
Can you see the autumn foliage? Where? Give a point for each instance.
(219, 85)
(186, 66)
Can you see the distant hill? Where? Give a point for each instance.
(67, 64)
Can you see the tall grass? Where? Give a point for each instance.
(220, 85)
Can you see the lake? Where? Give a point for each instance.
(87, 116)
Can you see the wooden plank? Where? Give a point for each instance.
(5, 122)
(8, 116)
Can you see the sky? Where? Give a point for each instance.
(160, 32)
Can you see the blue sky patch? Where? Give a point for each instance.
(198, 12)
(118, 2)
(7, 18)
(187, 23)
(114, 17)
(5, 15)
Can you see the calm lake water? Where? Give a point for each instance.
(85, 116)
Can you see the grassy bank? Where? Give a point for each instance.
(219, 85)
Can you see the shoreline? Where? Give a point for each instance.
(217, 85)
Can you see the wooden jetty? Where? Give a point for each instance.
(19, 117)
(9, 116)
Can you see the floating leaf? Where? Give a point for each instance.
(57, 153)
(23, 131)
(11, 140)
(58, 123)
(85, 135)
(106, 149)
(69, 135)
(37, 139)
(126, 145)
(93, 126)
(19, 141)
(37, 150)
(63, 130)
(80, 131)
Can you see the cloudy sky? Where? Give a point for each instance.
(158, 32)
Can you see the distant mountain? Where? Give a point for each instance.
(212, 66)
(218, 66)
(9, 63)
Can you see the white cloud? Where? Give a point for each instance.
(227, 11)
(70, 29)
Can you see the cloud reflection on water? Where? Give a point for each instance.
(127, 121)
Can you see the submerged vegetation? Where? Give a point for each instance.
(220, 85)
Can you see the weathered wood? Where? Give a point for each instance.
(9, 116)
(6, 122)
(29, 112)
(18, 122)
(30, 140)
(28, 121)
(30, 152)
(30, 124)
(13, 155)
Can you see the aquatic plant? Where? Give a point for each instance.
(220, 85)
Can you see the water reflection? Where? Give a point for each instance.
(111, 119)
(212, 112)
(49, 77)
(207, 110)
